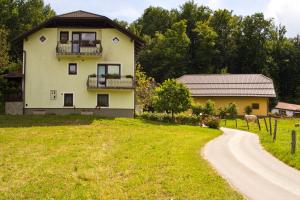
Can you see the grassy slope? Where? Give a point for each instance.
(281, 148)
(85, 158)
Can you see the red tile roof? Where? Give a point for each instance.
(229, 85)
(288, 106)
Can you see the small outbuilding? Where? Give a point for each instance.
(244, 90)
(287, 109)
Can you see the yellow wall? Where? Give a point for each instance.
(45, 71)
(241, 103)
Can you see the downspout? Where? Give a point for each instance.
(23, 82)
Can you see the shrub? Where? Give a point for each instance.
(248, 110)
(232, 110)
(212, 122)
(197, 109)
(209, 108)
(187, 119)
(179, 118)
(223, 112)
(172, 97)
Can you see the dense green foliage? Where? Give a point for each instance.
(145, 89)
(84, 157)
(171, 97)
(195, 39)
(248, 110)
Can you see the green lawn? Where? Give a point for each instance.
(281, 148)
(77, 157)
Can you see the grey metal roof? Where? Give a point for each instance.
(256, 85)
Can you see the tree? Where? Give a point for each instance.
(172, 97)
(205, 48)
(155, 19)
(4, 58)
(145, 88)
(166, 53)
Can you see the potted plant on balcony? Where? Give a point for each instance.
(129, 76)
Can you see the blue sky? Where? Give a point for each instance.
(286, 12)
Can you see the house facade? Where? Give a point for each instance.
(79, 63)
(242, 89)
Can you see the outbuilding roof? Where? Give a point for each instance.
(256, 85)
(288, 106)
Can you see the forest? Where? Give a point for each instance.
(190, 39)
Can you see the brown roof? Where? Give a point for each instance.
(81, 19)
(288, 106)
(80, 14)
(229, 85)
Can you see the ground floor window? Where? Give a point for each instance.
(255, 106)
(68, 99)
(102, 100)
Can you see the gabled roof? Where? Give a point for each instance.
(80, 14)
(288, 106)
(256, 85)
(81, 19)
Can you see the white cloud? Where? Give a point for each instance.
(286, 12)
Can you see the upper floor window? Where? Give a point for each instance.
(84, 39)
(72, 68)
(64, 37)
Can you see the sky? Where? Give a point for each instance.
(285, 12)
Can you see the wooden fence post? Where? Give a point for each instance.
(247, 124)
(235, 123)
(270, 125)
(266, 124)
(293, 144)
(275, 131)
(258, 123)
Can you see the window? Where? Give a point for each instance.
(109, 70)
(72, 68)
(64, 37)
(68, 99)
(42, 38)
(255, 106)
(102, 100)
(116, 40)
(85, 39)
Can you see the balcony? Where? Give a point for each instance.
(100, 82)
(79, 48)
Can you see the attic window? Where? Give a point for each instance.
(42, 38)
(116, 40)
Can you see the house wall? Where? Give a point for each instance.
(241, 103)
(45, 71)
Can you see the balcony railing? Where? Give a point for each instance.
(85, 48)
(123, 82)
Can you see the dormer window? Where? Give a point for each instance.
(64, 37)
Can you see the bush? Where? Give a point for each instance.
(179, 118)
(212, 122)
(187, 119)
(232, 110)
(248, 110)
(197, 109)
(209, 108)
(223, 112)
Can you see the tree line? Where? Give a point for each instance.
(195, 39)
